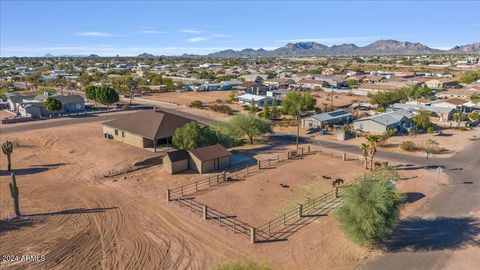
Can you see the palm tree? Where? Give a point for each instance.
(295, 103)
(364, 147)
(373, 141)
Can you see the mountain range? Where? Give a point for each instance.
(380, 47)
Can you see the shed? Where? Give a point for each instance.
(175, 161)
(209, 158)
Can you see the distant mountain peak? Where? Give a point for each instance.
(379, 47)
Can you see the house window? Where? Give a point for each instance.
(123, 134)
(116, 132)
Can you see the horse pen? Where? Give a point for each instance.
(258, 198)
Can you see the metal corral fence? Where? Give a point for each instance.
(222, 219)
(341, 155)
(240, 173)
(289, 222)
(276, 229)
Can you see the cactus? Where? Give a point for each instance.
(7, 148)
(15, 194)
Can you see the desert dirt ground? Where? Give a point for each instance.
(78, 218)
(339, 100)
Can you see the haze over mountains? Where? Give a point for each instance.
(380, 47)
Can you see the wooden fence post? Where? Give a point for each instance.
(224, 176)
(344, 156)
(288, 155)
(217, 178)
(196, 185)
(181, 190)
(205, 212)
(168, 195)
(258, 163)
(253, 237)
(309, 149)
(268, 162)
(302, 151)
(300, 210)
(278, 160)
(336, 192)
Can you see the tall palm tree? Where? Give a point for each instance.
(364, 148)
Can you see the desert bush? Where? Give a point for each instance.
(430, 130)
(241, 265)
(408, 146)
(222, 109)
(219, 101)
(464, 129)
(196, 104)
(370, 211)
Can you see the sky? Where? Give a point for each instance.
(108, 28)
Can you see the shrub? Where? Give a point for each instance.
(370, 210)
(430, 130)
(408, 146)
(196, 104)
(219, 101)
(222, 109)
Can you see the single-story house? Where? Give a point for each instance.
(442, 114)
(420, 102)
(145, 129)
(454, 103)
(16, 100)
(175, 161)
(338, 117)
(71, 103)
(203, 159)
(34, 110)
(255, 88)
(278, 94)
(441, 83)
(399, 120)
(259, 101)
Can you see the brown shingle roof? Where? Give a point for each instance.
(456, 101)
(210, 152)
(177, 155)
(150, 124)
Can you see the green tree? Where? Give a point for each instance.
(469, 77)
(52, 105)
(295, 103)
(422, 120)
(370, 210)
(91, 92)
(191, 136)
(352, 81)
(474, 116)
(250, 126)
(475, 98)
(106, 95)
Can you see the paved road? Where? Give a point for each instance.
(444, 225)
(51, 123)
